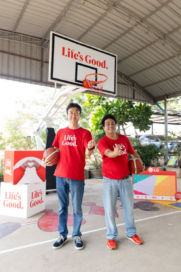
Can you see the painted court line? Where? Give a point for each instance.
(86, 232)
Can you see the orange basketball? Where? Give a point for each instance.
(52, 154)
(135, 166)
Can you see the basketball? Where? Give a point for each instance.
(52, 154)
(135, 166)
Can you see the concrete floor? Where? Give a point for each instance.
(30, 249)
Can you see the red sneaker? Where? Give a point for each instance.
(135, 239)
(111, 244)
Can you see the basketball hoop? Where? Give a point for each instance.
(91, 82)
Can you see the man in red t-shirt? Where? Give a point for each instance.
(114, 149)
(73, 143)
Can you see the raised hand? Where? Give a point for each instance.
(117, 151)
(91, 143)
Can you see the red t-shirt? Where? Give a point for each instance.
(115, 168)
(72, 144)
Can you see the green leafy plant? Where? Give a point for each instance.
(149, 154)
(95, 162)
(2, 142)
(125, 112)
(13, 137)
(1, 167)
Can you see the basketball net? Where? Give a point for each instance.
(92, 83)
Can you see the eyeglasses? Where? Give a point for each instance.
(73, 113)
(110, 124)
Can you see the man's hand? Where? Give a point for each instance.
(117, 151)
(143, 166)
(135, 155)
(46, 163)
(91, 143)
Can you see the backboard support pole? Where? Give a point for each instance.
(66, 92)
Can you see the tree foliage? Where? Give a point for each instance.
(149, 154)
(29, 114)
(26, 117)
(2, 143)
(172, 103)
(124, 111)
(13, 136)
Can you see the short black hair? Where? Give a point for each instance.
(73, 105)
(107, 116)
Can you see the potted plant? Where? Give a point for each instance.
(94, 165)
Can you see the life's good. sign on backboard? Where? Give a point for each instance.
(70, 61)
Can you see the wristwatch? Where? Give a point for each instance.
(90, 148)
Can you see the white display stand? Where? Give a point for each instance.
(23, 200)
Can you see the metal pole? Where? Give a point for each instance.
(166, 132)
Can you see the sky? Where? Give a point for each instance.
(12, 91)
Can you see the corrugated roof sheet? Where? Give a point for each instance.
(145, 34)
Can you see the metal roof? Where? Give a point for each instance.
(174, 117)
(145, 34)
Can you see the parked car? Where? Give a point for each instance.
(151, 139)
(174, 145)
(159, 142)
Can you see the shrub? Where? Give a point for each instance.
(95, 162)
(1, 167)
(149, 154)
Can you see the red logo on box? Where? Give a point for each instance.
(153, 169)
(36, 198)
(12, 200)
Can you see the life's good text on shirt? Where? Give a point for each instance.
(69, 140)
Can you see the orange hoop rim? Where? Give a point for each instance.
(96, 82)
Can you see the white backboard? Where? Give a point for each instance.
(70, 61)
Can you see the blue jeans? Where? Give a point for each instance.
(111, 188)
(77, 191)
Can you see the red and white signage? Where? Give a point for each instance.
(70, 61)
(23, 200)
(22, 167)
(153, 170)
(154, 184)
(151, 197)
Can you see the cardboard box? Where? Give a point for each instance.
(23, 200)
(22, 167)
